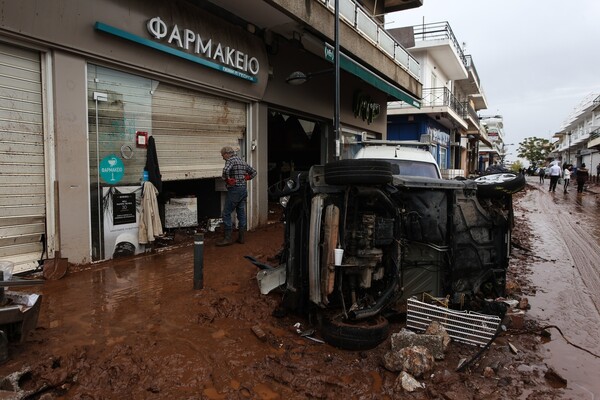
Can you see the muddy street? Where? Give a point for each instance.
(136, 328)
(566, 240)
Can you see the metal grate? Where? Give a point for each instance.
(463, 326)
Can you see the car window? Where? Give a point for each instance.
(414, 168)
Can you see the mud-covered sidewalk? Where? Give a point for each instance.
(135, 328)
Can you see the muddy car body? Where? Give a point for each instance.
(402, 236)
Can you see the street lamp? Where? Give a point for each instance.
(299, 77)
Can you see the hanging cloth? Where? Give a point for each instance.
(150, 225)
(154, 175)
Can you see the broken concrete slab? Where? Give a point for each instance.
(416, 360)
(406, 338)
(435, 328)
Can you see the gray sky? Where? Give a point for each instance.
(537, 60)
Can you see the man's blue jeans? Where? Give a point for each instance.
(236, 200)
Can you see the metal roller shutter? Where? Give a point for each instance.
(190, 129)
(22, 178)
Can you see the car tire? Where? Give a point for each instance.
(355, 335)
(498, 185)
(358, 172)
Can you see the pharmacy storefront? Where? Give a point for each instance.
(93, 99)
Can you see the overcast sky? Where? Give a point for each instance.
(537, 60)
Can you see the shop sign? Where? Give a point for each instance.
(124, 208)
(189, 45)
(111, 169)
(438, 136)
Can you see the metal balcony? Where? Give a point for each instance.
(470, 115)
(442, 97)
(359, 19)
(439, 31)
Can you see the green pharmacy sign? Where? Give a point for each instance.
(111, 169)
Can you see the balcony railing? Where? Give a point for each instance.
(359, 19)
(469, 112)
(440, 97)
(439, 31)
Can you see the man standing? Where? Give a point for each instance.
(555, 172)
(582, 176)
(235, 174)
(598, 172)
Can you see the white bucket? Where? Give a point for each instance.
(7, 268)
(338, 254)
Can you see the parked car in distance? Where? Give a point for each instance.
(406, 158)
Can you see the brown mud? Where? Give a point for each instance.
(135, 328)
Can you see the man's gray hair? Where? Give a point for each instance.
(227, 150)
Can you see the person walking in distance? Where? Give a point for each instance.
(542, 174)
(555, 171)
(582, 177)
(598, 172)
(567, 178)
(235, 174)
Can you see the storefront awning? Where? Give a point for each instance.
(349, 65)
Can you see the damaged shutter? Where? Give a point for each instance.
(22, 178)
(191, 128)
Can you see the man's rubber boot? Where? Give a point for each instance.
(226, 241)
(241, 235)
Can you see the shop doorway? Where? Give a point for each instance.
(295, 144)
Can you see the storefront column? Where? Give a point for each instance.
(71, 154)
(257, 151)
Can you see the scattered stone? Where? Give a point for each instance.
(513, 348)
(260, 334)
(416, 360)
(408, 382)
(524, 303)
(461, 362)
(495, 365)
(545, 333)
(444, 376)
(516, 319)
(406, 338)
(435, 328)
(488, 372)
(554, 379)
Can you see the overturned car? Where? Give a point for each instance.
(394, 237)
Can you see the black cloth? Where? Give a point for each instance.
(154, 175)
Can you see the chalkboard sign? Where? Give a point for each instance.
(123, 208)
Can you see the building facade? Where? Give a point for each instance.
(452, 95)
(578, 140)
(90, 88)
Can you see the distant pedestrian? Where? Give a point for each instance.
(542, 174)
(598, 172)
(555, 172)
(567, 178)
(582, 177)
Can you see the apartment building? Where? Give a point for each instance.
(448, 120)
(578, 140)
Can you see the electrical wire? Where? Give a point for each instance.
(562, 334)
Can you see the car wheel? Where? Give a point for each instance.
(501, 184)
(358, 172)
(355, 335)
